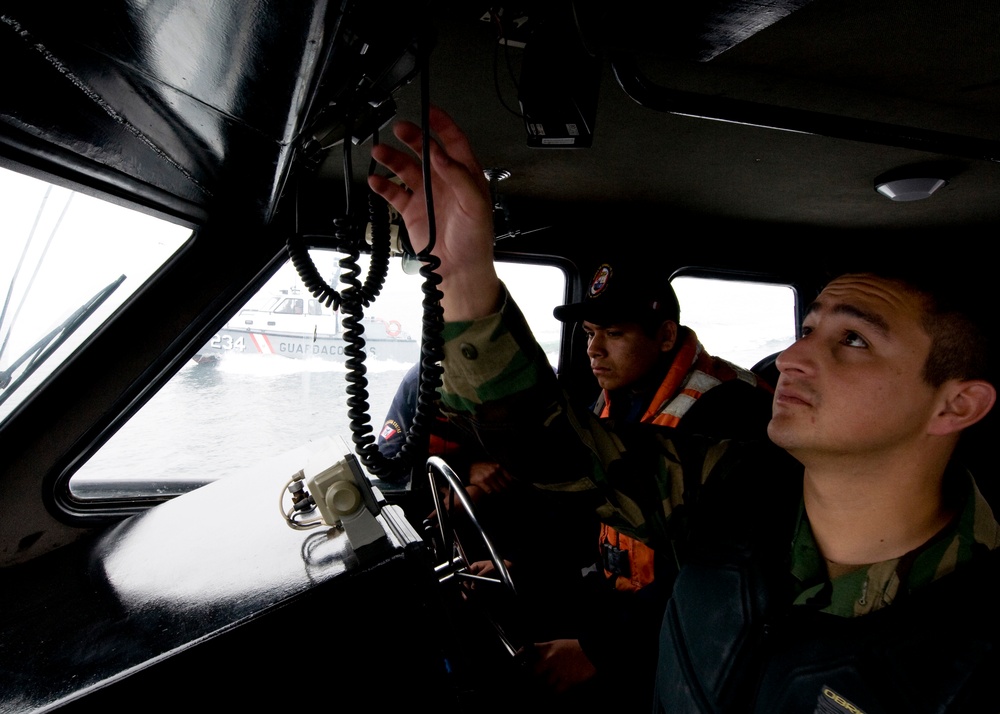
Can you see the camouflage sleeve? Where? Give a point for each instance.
(497, 381)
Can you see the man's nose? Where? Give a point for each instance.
(595, 346)
(797, 357)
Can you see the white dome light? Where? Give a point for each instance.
(911, 189)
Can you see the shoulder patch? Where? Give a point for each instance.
(831, 702)
(389, 430)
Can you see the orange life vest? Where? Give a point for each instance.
(693, 372)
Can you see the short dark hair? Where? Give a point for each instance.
(960, 345)
(956, 317)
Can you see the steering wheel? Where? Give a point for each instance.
(453, 558)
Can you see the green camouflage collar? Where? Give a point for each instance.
(877, 585)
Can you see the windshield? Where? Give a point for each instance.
(67, 261)
(275, 378)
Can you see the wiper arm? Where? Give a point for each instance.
(40, 351)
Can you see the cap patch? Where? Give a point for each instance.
(600, 281)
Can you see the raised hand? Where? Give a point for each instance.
(463, 214)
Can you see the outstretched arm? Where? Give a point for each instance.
(463, 215)
(497, 380)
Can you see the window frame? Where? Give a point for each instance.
(72, 508)
(760, 278)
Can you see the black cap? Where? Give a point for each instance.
(623, 293)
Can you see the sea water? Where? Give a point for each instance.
(215, 420)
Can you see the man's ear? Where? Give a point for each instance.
(667, 335)
(964, 403)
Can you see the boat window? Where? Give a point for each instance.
(67, 261)
(290, 306)
(272, 381)
(741, 321)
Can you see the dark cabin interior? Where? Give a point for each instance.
(736, 137)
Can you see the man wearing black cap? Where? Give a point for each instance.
(651, 370)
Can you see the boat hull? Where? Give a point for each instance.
(304, 346)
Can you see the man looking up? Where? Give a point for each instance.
(852, 569)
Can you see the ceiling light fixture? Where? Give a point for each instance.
(909, 189)
(495, 176)
(498, 174)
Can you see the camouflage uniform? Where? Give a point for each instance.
(876, 586)
(498, 382)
